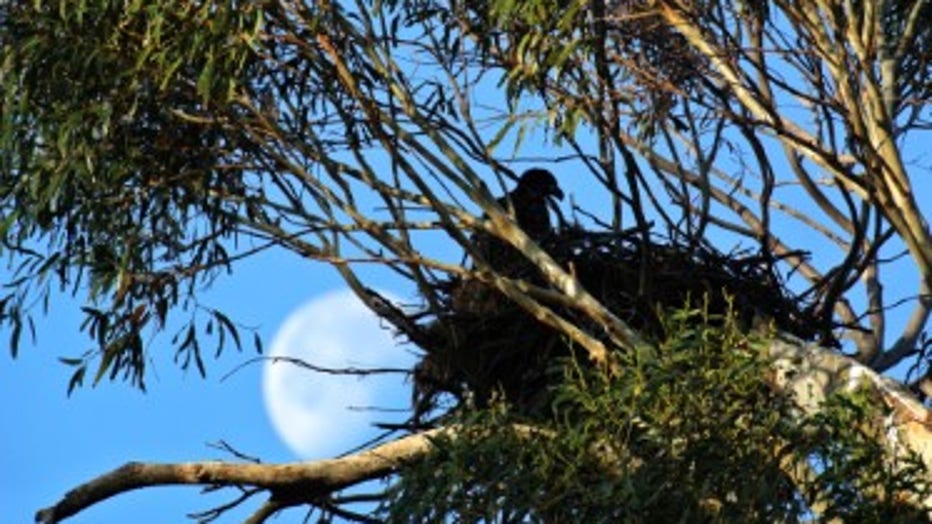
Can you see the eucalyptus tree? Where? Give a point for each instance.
(149, 146)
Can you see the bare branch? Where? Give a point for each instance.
(289, 484)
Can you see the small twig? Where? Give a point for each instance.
(347, 514)
(319, 369)
(265, 511)
(223, 445)
(213, 514)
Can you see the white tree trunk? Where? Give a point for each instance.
(809, 373)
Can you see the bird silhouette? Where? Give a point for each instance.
(529, 203)
(485, 370)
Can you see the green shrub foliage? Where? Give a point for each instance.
(690, 431)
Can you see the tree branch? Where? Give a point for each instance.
(289, 484)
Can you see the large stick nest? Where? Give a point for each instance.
(481, 344)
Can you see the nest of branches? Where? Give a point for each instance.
(480, 344)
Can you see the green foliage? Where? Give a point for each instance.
(844, 443)
(115, 172)
(590, 55)
(689, 432)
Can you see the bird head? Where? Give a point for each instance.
(540, 183)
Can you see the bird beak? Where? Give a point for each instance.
(557, 192)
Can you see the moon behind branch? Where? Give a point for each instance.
(320, 415)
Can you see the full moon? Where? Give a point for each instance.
(320, 415)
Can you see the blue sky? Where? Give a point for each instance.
(51, 443)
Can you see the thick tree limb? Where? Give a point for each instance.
(299, 482)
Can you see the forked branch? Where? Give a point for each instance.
(288, 484)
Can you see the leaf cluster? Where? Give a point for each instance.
(115, 170)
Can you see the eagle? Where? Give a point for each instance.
(479, 309)
(529, 203)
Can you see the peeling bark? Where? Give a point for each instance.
(809, 374)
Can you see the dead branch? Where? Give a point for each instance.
(289, 484)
